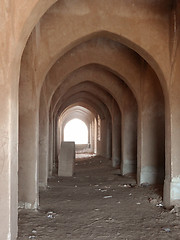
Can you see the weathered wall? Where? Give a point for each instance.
(16, 22)
(147, 33)
(152, 129)
(172, 180)
(127, 54)
(28, 130)
(43, 140)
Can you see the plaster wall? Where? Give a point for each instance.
(172, 180)
(151, 123)
(154, 17)
(43, 141)
(41, 39)
(17, 21)
(28, 133)
(117, 122)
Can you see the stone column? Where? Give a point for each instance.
(59, 135)
(129, 134)
(28, 130)
(151, 146)
(55, 146)
(103, 143)
(129, 145)
(43, 158)
(50, 157)
(171, 194)
(8, 158)
(43, 143)
(95, 135)
(91, 132)
(28, 158)
(116, 136)
(109, 140)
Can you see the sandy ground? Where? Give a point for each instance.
(98, 203)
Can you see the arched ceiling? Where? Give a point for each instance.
(64, 39)
(76, 112)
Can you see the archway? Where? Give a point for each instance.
(76, 131)
(24, 24)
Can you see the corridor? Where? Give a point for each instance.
(98, 203)
(112, 65)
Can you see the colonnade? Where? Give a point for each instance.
(99, 55)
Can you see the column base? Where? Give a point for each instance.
(115, 162)
(151, 175)
(128, 167)
(42, 186)
(171, 195)
(26, 205)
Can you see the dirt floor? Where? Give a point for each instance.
(98, 203)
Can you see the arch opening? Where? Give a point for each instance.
(76, 130)
(30, 121)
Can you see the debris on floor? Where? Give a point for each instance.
(166, 229)
(32, 237)
(128, 213)
(176, 210)
(127, 185)
(145, 184)
(156, 201)
(51, 214)
(102, 190)
(107, 196)
(159, 205)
